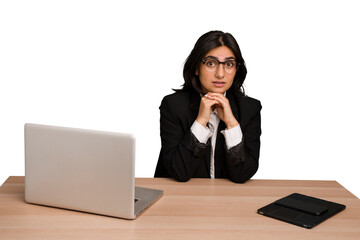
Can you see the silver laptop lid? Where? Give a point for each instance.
(79, 169)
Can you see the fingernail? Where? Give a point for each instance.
(208, 96)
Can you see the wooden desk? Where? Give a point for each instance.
(199, 209)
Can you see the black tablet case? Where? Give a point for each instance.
(301, 210)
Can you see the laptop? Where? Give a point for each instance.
(301, 210)
(84, 170)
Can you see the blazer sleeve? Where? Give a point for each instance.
(181, 152)
(243, 160)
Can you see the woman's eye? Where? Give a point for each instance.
(211, 63)
(229, 64)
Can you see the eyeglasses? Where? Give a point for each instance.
(212, 64)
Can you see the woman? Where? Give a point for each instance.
(210, 128)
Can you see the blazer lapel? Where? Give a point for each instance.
(234, 106)
(195, 101)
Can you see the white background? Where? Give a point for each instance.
(106, 65)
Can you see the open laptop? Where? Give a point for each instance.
(84, 170)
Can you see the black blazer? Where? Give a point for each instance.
(183, 157)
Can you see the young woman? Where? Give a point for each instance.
(210, 128)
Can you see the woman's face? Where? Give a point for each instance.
(217, 80)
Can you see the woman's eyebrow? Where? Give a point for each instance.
(227, 58)
(211, 57)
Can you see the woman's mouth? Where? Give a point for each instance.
(219, 84)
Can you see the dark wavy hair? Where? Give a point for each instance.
(204, 44)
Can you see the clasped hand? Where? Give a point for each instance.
(221, 103)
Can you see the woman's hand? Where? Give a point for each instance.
(222, 104)
(224, 110)
(205, 109)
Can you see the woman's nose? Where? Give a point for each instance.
(220, 71)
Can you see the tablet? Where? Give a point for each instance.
(301, 210)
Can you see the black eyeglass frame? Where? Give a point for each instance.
(205, 59)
